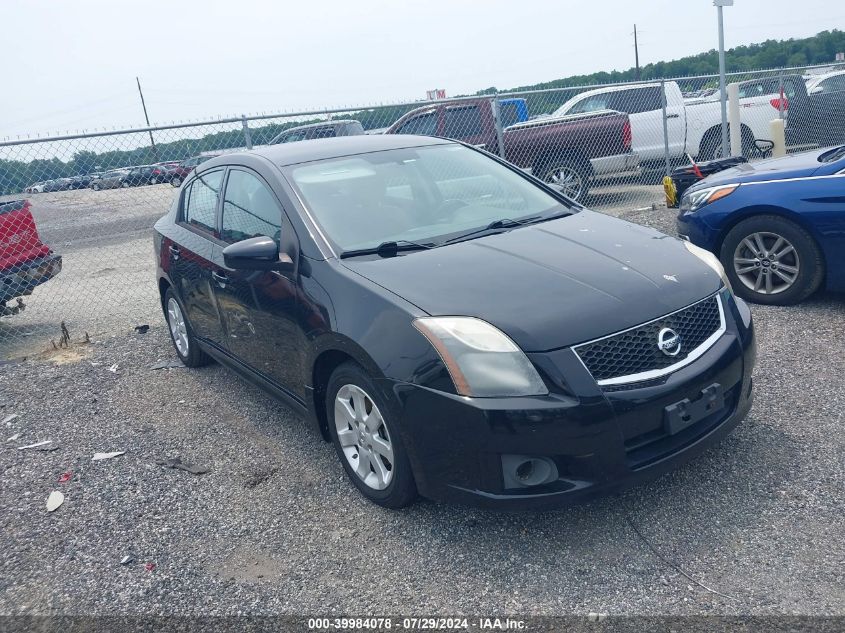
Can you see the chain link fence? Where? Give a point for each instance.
(76, 211)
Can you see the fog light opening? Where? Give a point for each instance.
(524, 471)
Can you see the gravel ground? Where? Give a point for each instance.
(274, 527)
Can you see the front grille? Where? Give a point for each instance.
(633, 355)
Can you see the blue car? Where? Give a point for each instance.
(778, 226)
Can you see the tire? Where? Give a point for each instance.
(711, 144)
(787, 269)
(391, 484)
(125, 184)
(153, 181)
(96, 187)
(176, 181)
(571, 175)
(182, 337)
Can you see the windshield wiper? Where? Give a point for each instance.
(501, 223)
(507, 223)
(387, 249)
(832, 155)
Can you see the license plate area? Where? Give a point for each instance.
(684, 413)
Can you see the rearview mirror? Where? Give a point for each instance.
(256, 253)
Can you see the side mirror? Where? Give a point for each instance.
(256, 253)
(816, 90)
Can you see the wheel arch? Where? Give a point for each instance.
(163, 285)
(555, 153)
(713, 133)
(329, 355)
(764, 209)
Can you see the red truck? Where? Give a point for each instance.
(25, 261)
(568, 151)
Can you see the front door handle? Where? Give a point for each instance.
(220, 279)
(673, 116)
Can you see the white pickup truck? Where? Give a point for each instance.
(694, 127)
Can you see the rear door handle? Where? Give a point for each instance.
(673, 116)
(220, 279)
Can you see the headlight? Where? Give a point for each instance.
(711, 260)
(481, 360)
(693, 201)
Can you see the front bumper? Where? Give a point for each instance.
(600, 440)
(20, 279)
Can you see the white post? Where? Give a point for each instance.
(723, 95)
(735, 125)
(777, 131)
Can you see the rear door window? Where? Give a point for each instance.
(199, 203)
(463, 121)
(425, 124)
(637, 100)
(591, 104)
(509, 114)
(324, 132)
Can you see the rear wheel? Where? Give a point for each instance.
(181, 333)
(711, 145)
(176, 181)
(772, 260)
(125, 184)
(572, 177)
(363, 431)
(96, 187)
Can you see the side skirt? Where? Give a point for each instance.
(257, 379)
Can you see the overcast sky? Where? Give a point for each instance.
(72, 65)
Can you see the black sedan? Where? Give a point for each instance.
(454, 326)
(146, 175)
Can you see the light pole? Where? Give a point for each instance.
(720, 4)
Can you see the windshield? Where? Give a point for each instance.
(424, 194)
(832, 155)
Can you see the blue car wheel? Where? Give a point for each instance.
(772, 260)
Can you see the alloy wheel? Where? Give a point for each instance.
(766, 263)
(363, 437)
(178, 327)
(568, 179)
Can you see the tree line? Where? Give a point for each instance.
(15, 175)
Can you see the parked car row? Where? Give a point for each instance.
(610, 131)
(173, 172)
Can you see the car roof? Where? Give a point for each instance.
(321, 149)
(320, 124)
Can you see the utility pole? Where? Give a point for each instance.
(636, 53)
(720, 4)
(147, 118)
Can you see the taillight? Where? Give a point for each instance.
(781, 102)
(626, 135)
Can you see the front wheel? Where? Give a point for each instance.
(181, 333)
(125, 184)
(772, 260)
(364, 434)
(571, 177)
(176, 181)
(96, 187)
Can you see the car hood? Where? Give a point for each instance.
(553, 284)
(795, 166)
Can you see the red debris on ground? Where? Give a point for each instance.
(150, 566)
(65, 477)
